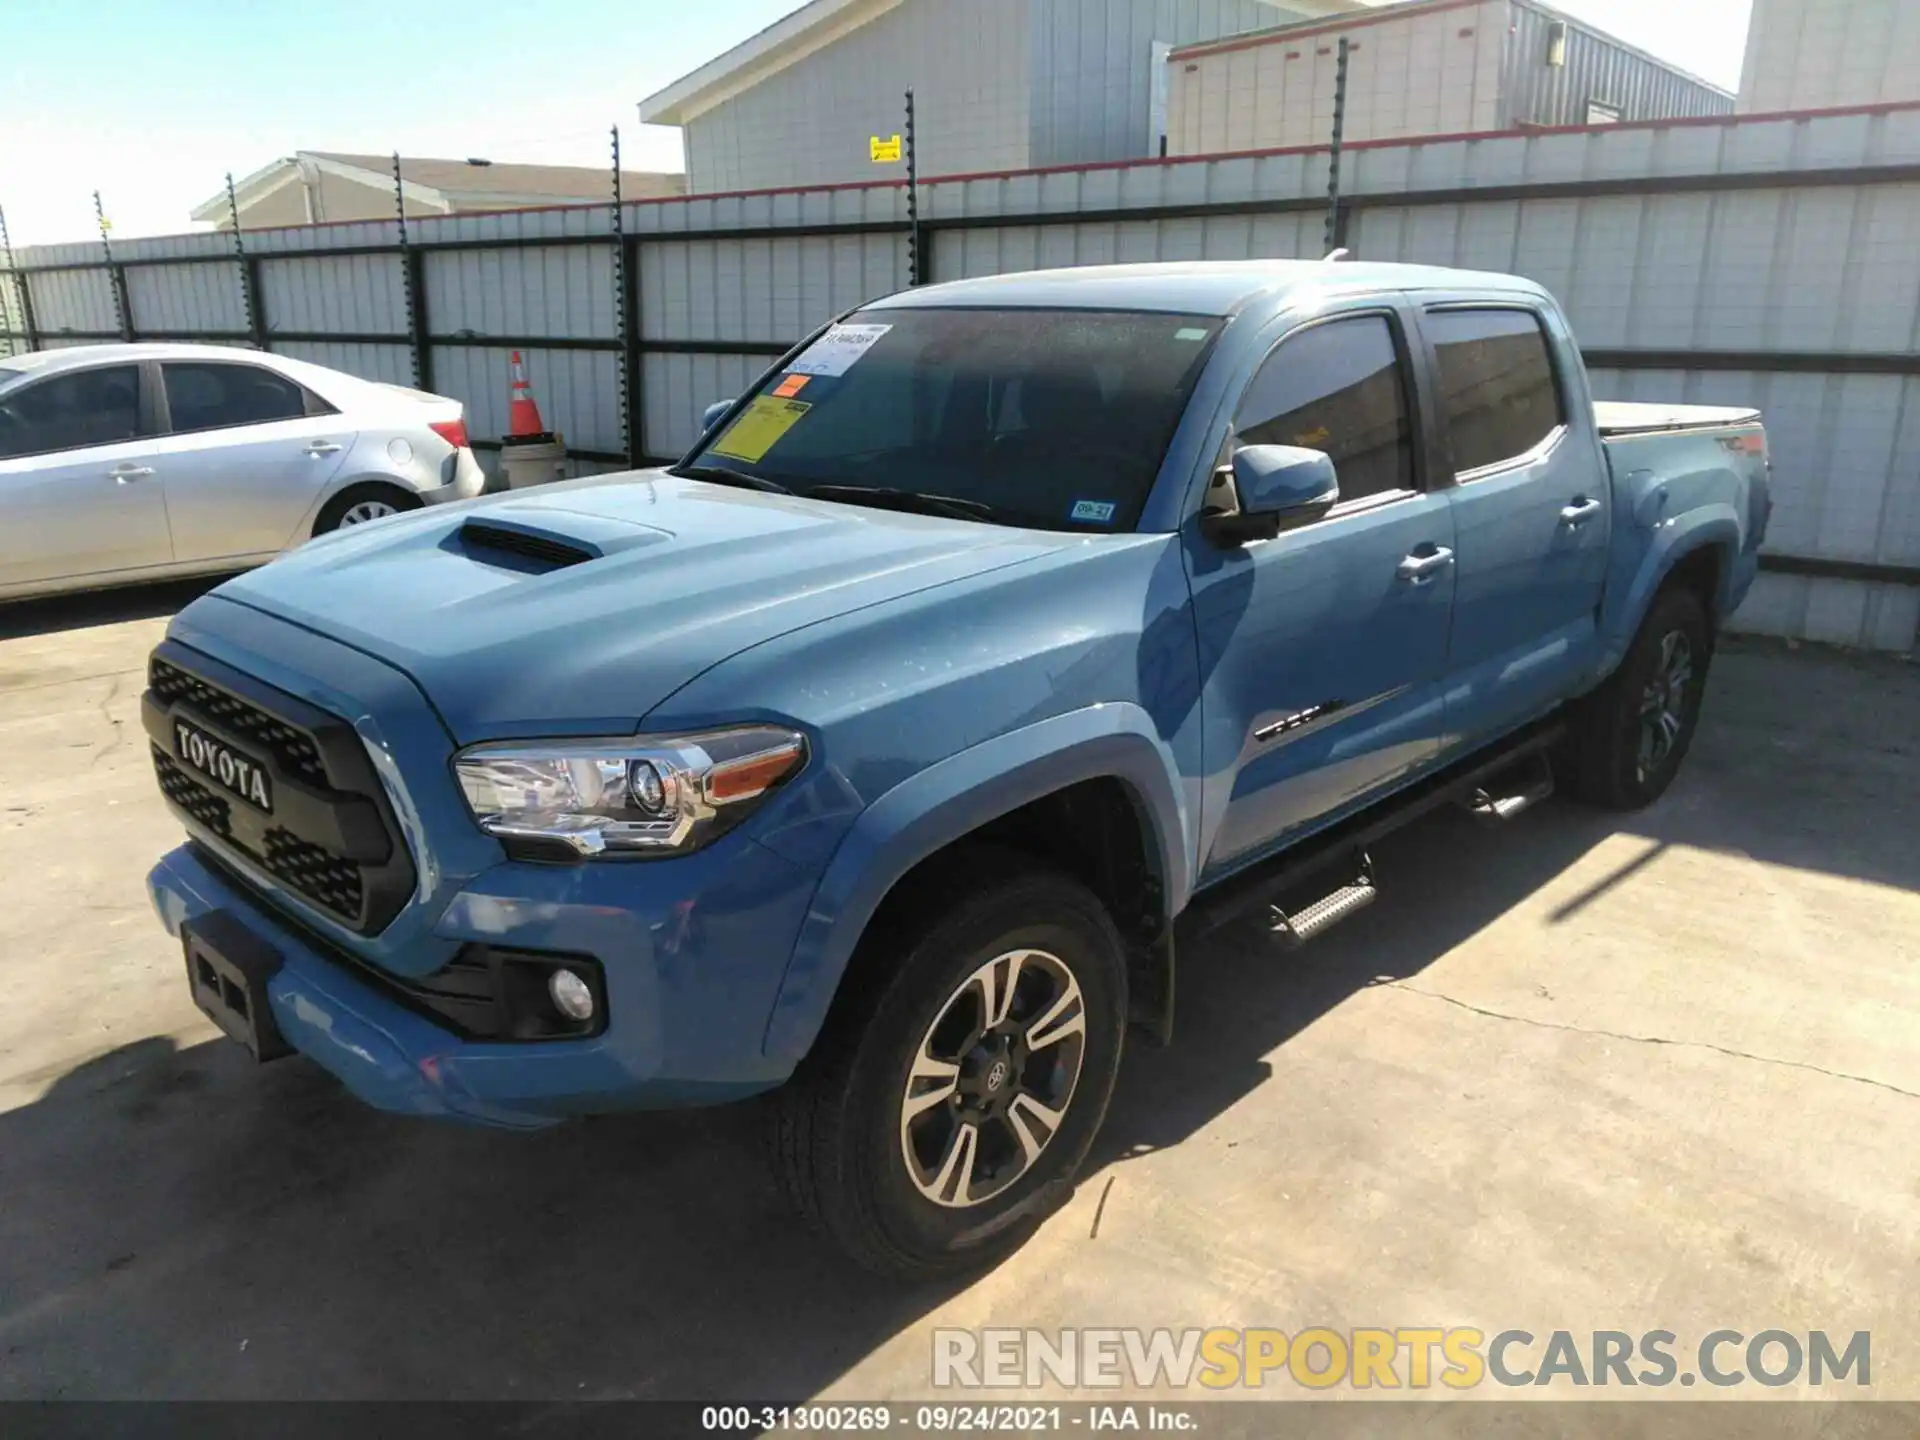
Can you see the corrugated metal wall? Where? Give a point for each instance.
(1599, 69)
(1805, 53)
(1770, 269)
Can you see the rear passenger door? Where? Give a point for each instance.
(249, 453)
(1322, 649)
(1530, 513)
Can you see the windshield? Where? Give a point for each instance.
(1056, 419)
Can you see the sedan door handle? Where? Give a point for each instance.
(1580, 511)
(323, 447)
(123, 473)
(1421, 569)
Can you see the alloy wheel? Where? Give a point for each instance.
(993, 1077)
(1663, 704)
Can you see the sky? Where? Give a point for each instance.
(152, 102)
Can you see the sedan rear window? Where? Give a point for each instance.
(1056, 419)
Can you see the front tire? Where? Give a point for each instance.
(951, 1100)
(1628, 737)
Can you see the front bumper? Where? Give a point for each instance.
(670, 1040)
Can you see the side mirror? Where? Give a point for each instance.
(1278, 487)
(713, 412)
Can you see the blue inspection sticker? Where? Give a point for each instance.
(1099, 512)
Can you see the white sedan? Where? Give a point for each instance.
(139, 462)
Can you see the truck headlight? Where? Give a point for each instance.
(658, 795)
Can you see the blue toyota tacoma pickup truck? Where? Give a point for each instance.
(870, 755)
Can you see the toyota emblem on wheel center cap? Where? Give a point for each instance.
(997, 1076)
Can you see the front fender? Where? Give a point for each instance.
(1636, 579)
(953, 798)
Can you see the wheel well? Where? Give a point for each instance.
(355, 490)
(1700, 571)
(1095, 831)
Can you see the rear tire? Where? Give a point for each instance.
(999, 1011)
(1629, 737)
(358, 504)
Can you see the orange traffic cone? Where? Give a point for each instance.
(523, 412)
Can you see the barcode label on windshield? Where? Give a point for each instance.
(835, 352)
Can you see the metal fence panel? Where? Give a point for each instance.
(344, 294)
(761, 291)
(1672, 240)
(391, 364)
(186, 297)
(74, 300)
(548, 290)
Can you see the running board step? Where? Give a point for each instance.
(1293, 931)
(1513, 792)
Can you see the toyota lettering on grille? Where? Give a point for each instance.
(225, 766)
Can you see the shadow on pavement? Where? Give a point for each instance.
(83, 610)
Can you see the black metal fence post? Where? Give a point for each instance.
(413, 288)
(19, 283)
(249, 274)
(916, 262)
(116, 274)
(624, 314)
(1336, 223)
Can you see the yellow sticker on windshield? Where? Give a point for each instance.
(759, 426)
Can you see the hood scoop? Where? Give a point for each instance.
(498, 539)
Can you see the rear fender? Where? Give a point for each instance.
(952, 799)
(1634, 582)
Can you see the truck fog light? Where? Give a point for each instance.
(572, 996)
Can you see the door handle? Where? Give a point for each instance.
(123, 473)
(1580, 511)
(1423, 569)
(322, 447)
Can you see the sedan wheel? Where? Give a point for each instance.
(366, 510)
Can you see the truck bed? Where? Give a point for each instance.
(1621, 417)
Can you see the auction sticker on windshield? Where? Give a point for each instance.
(834, 352)
(758, 427)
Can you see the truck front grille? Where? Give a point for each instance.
(328, 836)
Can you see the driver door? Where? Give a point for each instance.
(1322, 650)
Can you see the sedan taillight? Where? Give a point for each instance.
(454, 432)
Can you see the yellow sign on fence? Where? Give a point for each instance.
(884, 151)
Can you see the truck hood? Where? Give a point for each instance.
(605, 595)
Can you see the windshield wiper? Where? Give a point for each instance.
(724, 475)
(914, 501)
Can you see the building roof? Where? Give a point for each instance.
(812, 27)
(445, 184)
(1188, 287)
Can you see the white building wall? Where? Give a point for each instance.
(809, 124)
(1819, 54)
(1432, 73)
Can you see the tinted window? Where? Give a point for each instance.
(203, 396)
(1336, 387)
(65, 412)
(1497, 391)
(1057, 419)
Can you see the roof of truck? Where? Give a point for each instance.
(1194, 287)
